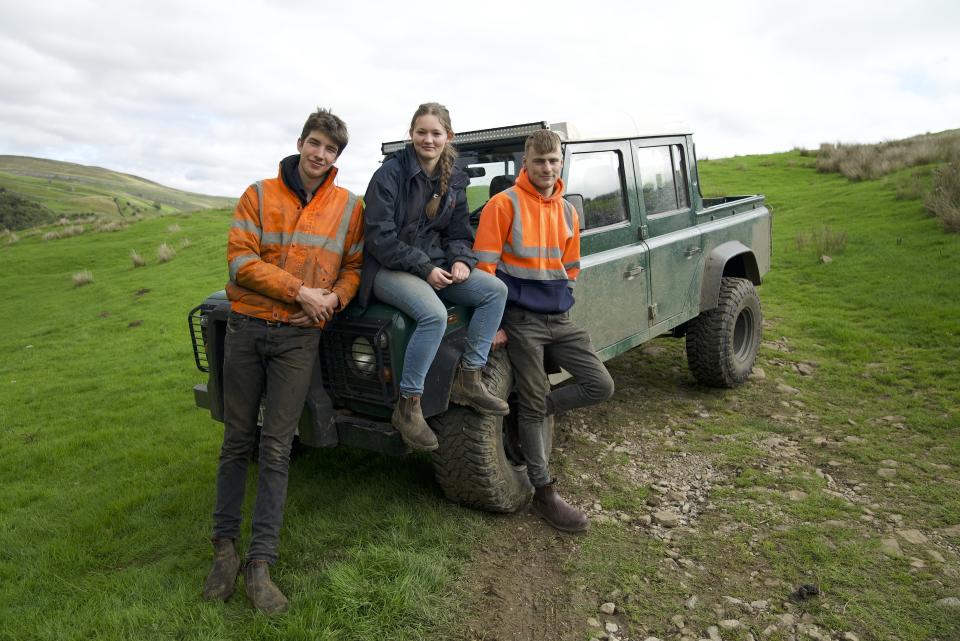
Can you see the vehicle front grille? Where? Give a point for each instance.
(356, 362)
(197, 320)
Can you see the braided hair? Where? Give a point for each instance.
(447, 157)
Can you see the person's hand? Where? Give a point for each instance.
(499, 340)
(460, 272)
(300, 319)
(439, 278)
(318, 304)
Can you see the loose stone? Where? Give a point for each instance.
(608, 608)
(890, 547)
(912, 536)
(949, 602)
(610, 626)
(729, 624)
(593, 622)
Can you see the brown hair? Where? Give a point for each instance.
(447, 157)
(330, 125)
(543, 142)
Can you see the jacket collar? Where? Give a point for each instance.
(410, 166)
(523, 182)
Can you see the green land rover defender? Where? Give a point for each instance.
(657, 258)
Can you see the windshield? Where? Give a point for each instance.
(490, 172)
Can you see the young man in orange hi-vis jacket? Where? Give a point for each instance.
(294, 253)
(529, 236)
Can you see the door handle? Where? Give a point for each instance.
(633, 272)
(691, 251)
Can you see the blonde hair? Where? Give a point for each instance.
(542, 141)
(447, 157)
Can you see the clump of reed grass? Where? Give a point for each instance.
(824, 240)
(82, 278)
(165, 253)
(869, 161)
(138, 260)
(185, 243)
(174, 228)
(51, 235)
(943, 201)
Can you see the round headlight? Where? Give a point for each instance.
(363, 358)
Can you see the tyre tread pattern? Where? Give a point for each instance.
(710, 352)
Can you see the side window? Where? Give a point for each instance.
(597, 176)
(663, 179)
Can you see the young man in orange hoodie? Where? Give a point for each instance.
(294, 252)
(529, 236)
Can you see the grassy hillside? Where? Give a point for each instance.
(108, 467)
(68, 189)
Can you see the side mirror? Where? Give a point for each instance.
(577, 201)
(475, 172)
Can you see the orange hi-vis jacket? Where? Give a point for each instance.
(276, 245)
(531, 243)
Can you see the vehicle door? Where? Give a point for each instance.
(668, 226)
(611, 292)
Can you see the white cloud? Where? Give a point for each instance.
(209, 96)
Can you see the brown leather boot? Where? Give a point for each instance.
(558, 513)
(409, 421)
(468, 389)
(261, 591)
(223, 575)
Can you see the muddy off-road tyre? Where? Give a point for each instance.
(722, 343)
(471, 464)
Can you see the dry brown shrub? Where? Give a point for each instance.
(185, 243)
(72, 230)
(114, 225)
(866, 162)
(138, 260)
(51, 235)
(943, 201)
(165, 253)
(82, 278)
(174, 228)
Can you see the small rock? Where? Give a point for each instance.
(952, 531)
(786, 389)
(853, 439)
(886, 472)
(677, 620)
(786, 619)
(796, 495)
(644, 519)
(889, 463)
(850, 636)
(759, 605)
(610, 626)
(835, 523)
(912, 536)
(936, 556)
(805, 369)
(759, 374)
(768, 631)
(691, 603)
(949, 602)
(890, 547)
(651, 639)
(593, 622)
(918, 563)
(608, 608)
(826, 260)
(714, 633)
(729, 624)
(666, 518)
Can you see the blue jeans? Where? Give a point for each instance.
(417, 299)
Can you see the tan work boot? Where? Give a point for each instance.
(223, 575)
(408, 419)
(261, 591)
(468, 389)
(557, 512)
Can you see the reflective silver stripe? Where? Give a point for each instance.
(259, 187)
(533, 274)
(574, 265)
(247, 225)
(516, 246)
(315, 240)
(355, 248)
(239, 262)
(275, 238)
(488, 257)
(345, 221)
(568, 211)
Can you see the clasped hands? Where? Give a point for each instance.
(316, 304)
(439, 278)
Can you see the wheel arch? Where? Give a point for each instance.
(729, 259)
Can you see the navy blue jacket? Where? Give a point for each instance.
(415, 243)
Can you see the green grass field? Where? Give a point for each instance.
(107, 467)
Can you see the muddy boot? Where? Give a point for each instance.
(261, 591)
(223, 575)
(409, 421)
(558, 513)
(468, 389)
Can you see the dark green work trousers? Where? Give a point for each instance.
(531, 336)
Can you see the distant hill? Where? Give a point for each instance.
(36, 191)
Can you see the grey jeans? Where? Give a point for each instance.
(258, 358)
(531, 336)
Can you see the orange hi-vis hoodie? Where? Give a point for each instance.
(276, 244)
(532, 244)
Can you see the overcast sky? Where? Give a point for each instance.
(208, 96)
